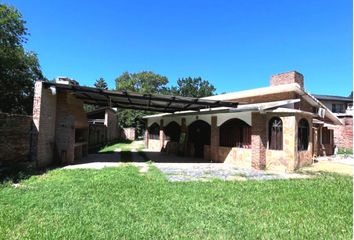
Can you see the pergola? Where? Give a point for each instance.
(130, 100)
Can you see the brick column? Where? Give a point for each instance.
(65, 130)
(259, 140)
(182, 147)
(43, 133)
(214, 140)
(146, 135)
(162, 135)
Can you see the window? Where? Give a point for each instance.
(275, 131)
(235, 133)
(303, 135)
(154, 131)
(338, 108)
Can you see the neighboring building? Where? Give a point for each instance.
(277, 127)
(103, 127)
(342, 107)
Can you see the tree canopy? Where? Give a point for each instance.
(150, 82)
(142, 82)
(101, 83)
(18, 69)
(193, 87)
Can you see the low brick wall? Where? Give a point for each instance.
(15, 138)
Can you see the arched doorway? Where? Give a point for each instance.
(235, 133)
(198, 136)
(172, 131)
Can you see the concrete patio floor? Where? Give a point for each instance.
(180, 169)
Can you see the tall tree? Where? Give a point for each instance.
(101, 83)
(142, 82)
(18, 69)
(193, 87)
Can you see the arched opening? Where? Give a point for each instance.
(235, 133)
(154, 131)
(172, 131)
(199, 135)
(303, 135)
(275, 131)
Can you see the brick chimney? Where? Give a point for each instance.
(286, 78)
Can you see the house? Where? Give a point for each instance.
(342, 107)
(280, 127)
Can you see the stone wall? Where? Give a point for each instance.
(15, 138)
(304, 158)
(154, 144)
(282, 159)
(240, 157)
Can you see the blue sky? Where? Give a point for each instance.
(236, 45)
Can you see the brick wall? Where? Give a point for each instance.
(112, 125)
(15, 137)
(266, 98)
(97, 135)
(343, 135)
(258, 141)
(70, 116)
(286, 78)
(44, 119)
(214, 139)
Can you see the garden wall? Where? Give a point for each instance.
(15, 138)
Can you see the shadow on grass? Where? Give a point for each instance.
(17, 173)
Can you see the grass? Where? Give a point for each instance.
(345, 151)
(125, 149)
(120, 203)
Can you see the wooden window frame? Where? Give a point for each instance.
(303, 133)
(275, 134)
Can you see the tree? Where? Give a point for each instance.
(193, 87)
(142, 82)
(18, 69)
(101, 83)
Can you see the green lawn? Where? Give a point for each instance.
(121, 203)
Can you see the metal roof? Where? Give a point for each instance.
(333, 98)
(130, 100)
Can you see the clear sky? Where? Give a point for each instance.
(235, 44)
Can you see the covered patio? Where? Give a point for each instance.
(61, 125)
